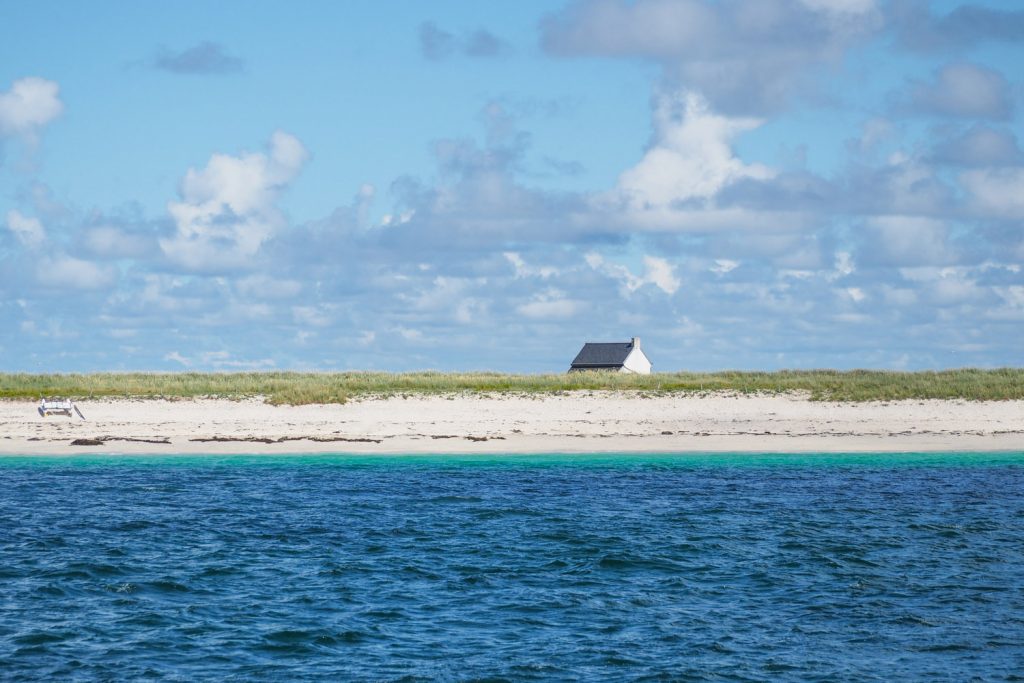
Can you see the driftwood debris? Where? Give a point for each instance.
(282, 439)
(100, 440)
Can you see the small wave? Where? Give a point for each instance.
(289, 636)
(168, 586)
(447, 500)
(126, 587)
(945, 647)
(40, 638)
(387, 614)
(621, 563)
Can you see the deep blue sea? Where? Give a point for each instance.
(687, 567)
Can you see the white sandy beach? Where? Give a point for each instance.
(577, 422)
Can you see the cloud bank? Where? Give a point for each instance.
(764, 223)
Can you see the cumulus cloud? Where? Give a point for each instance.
(964, 91)
(944, 287)
(904, 185)
(68, 272)
(30, 104)
(691, 157)
(724, 265)
(1013, 300)
(227, 209)
(258, 287)
(997, 192)
(661, 274)
(842, 7)
(980, 145)
(28, 230)
(523, 270)
(551, 304)
(966, 26)
(452, 297)
(108, 241)
(682, 182)
(908, 241)
(657, 272)
(176, 357)
(744, 56)
(201, 59)
(437, 44)
(478, 201)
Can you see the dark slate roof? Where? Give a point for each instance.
(602, 355)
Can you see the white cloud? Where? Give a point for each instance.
(964, 91)
(266, 287)
(996, 192)
(223, 360)
(455, 295)
(449, 294)
(469, 310)
(550, 304)
(28, 230)
(691, 157)
(688, 328)
(1012, 295)
(523, 270)
(661, 274)
(907, 186)
(178, 358)
(112, 242)
(842, 6)
(30, 104)
(73, 273)
(409, 334)
(945, 286)
(723, 266)
(874, 132)
(219, 360)
(388, 219)
(844, 266)
(657, 272)
(910, 240)
(899, 296)
(315, 316)
(979, 146)
(227, 209)
(744, 56)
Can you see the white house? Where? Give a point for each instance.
(619, 356)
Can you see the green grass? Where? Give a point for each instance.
(301, 388)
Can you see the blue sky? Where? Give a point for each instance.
(753, 184)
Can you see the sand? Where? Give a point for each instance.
(569, 422)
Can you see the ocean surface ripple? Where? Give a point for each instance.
(724, 568)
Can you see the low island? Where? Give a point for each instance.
(432, 412)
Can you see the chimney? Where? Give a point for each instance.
(636, 342)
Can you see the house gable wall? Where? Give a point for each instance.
(636, 362)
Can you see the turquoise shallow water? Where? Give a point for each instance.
(609, 567)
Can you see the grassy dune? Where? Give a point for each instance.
(301, 388)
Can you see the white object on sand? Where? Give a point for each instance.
(59, 406)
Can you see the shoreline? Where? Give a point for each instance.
(577, 422)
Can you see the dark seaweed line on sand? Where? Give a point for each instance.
(100, 440)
